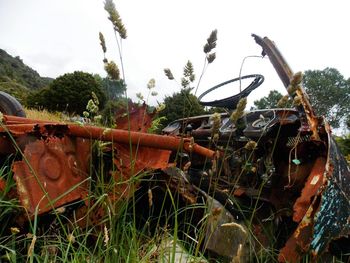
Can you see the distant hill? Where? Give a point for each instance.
(18, 79)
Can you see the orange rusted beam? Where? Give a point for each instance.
(106, 134)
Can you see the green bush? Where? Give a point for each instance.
(182, 104)
(69, 92)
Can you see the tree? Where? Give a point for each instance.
(181, 105)
(270, 101)
(114, 89)
(70, 92)
(329, 94)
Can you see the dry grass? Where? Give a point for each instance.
(44, 115)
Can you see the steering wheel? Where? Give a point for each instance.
(231, 102)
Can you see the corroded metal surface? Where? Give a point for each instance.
(56, 156)
(332, 221)
(137, 119)
(107, 134)
(310, 190)
(52, 173)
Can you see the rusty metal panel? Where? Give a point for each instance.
(52, 173)
(311, 188)
(137, 119)
(333, 219)
(131, 161)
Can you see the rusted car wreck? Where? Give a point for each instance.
(276, 169)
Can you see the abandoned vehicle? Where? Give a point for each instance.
(264, 179)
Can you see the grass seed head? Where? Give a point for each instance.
(251, 145)
(102, 42)
(106, 237)
(112, 70)
(115, 18)
(168, 73)
(296, 79)
(211, 57)
(14, 230)
(216, 118)
(297, 101)
(151, 84)
(211, 42)
(283, 101)
(239, 111)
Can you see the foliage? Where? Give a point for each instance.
(15, 89)
(111, 109)
(13, 68)
(270, 101)
(157, 124)
(344, 145)
(184, 104)
(115, 18)
(113, 89)
(329, 93)
(188, 76)
(69, 92)
(180, 105)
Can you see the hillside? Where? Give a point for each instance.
(18, 79)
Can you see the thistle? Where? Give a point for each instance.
(114, 17)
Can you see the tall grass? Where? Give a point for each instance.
(44, 115)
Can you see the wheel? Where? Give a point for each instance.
(10, 106)
(232, 101)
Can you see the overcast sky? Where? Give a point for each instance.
(59, 36)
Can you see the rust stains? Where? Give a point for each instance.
(52, 173)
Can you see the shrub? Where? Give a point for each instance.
(69, 92)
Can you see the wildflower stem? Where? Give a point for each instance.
(202, 74)
(120, 50)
